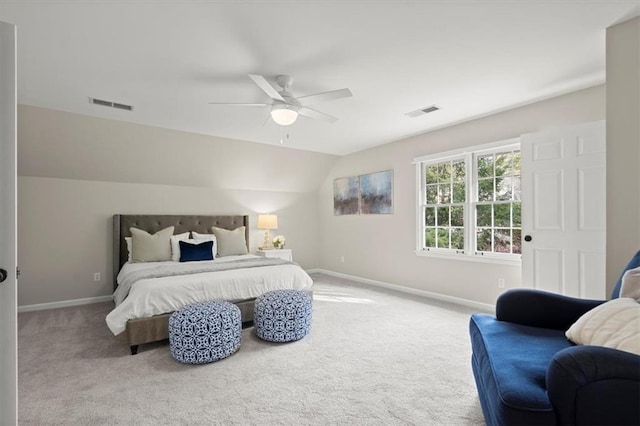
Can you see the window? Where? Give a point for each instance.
(469, 202)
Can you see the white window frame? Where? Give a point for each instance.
(469, 154)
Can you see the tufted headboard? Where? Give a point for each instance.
(154, 223)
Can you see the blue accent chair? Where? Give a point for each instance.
(528, 373)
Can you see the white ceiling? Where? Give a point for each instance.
(170, 58)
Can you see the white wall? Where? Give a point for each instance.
(75, 172)
(381, 247)
(623, 146)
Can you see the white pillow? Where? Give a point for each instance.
(151, 248)
(631, 284)
(175, 245)
(614, 324)
(200, 238)
(128, 241)
(230, 242)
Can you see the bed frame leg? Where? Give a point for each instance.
(134, 349)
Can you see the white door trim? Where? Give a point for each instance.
(8, 288)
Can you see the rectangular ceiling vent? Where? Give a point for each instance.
(110, 104)
(423, 111)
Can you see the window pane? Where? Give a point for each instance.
(517, 241)
(444, 172)
(517, 212)
(485, 166)
(443, 237)
(503, 164)
(431, 174)
(502, 240)
(517, 188)
(503, 188)
(444, 193)
(458, 193)
(457, 238)
(432, 194)
(502, 215)
(458, 171)
(516, 163)
(430, 237)
(483, 240)
(430, 216)
(457, 216)
(443, 216)
(485, 189)
(483, 215)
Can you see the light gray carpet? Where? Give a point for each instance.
(372, 358)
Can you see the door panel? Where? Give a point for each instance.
(564, 211)
(8, 298)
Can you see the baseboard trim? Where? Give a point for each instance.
(63, 304)
(417, 292)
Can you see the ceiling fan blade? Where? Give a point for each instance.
(325, 96)
(235, 104)
(312, 113)
(266, 87)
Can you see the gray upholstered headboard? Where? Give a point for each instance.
(154, 223)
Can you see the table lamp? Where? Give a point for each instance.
(267, 222)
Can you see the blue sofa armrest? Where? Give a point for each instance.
(591, 385)
(537, 308)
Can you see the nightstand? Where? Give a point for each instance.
(284, 254)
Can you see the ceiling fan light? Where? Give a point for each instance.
(284, 114)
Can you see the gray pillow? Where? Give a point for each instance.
(151, 248)
(230, 242)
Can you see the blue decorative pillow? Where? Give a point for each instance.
(195, 252)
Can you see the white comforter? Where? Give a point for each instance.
(155, 296)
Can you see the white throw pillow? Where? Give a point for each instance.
(128, 241)
(614, 324)
(151, 248)
(230, 242)
(175, 245)
(199, 238)
(631, 284)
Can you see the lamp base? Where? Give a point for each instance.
(266, 244)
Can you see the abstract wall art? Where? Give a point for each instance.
(365, 194)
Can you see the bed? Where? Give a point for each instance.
(162, 296)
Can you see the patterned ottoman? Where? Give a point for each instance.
(282, 315)
(205, 332)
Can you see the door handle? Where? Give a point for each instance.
(3, 275)
(528, 238)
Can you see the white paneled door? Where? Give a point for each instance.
(8, 320)
(563, 210)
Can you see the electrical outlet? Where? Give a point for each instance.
(97, 276)
(500, 282)
(342, 259)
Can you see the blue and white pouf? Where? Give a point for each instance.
(205, 332)
(283, 315)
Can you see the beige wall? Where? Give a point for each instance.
(623, 146)
(75, 172)
(381, 247)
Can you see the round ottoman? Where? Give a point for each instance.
(205, 332)
(282, 315)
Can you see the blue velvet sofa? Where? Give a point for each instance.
(528, 373)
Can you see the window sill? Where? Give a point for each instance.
(470, 258)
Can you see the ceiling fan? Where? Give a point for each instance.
(285, 108)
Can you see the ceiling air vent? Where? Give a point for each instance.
(423, 111)
(110, 104)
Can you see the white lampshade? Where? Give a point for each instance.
(284, 114)
(267, 221)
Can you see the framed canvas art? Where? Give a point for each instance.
(376, 193)
(345, 195)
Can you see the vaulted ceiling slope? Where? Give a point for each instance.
(170, 59)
